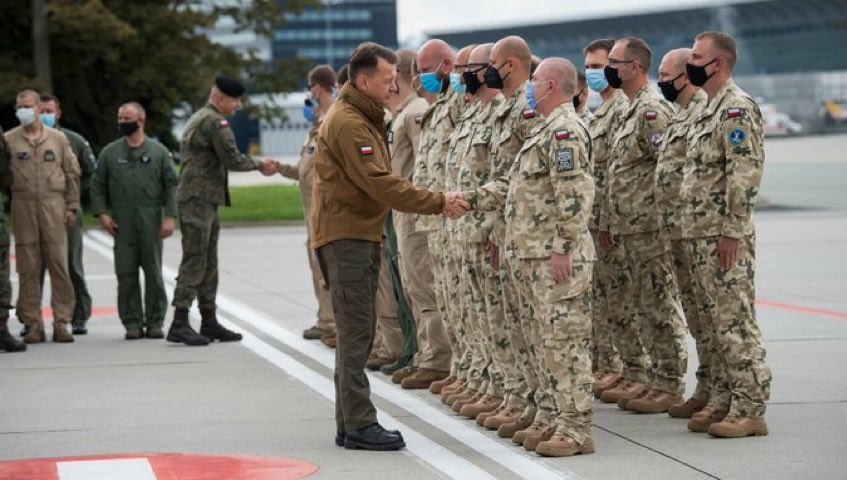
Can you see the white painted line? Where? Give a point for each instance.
(421, 446)
(112, 469)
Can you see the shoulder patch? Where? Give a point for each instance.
(735, 112)
(564, 160)
(224, 123)
(562, 135)
(656, 138)
(366, 150)
(528, 113)
(419, 118)
(651, 115)
(737, 136)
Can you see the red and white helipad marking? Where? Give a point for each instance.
(157, 466)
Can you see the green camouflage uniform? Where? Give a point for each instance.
(547, 197)
(672, 156)
(610, 265)
(634, 217)
(720, 184)
(5, 240)
(208, 152)
(135, 185)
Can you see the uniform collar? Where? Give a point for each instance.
(363, 104)
(604, 108)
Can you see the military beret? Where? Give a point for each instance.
(229, 86)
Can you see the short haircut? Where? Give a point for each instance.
(534, 62)
(324, 76)
(28, 93)
(605, 44)
(142, 114)
(49, 97)
(405, 59)
(366, 57)
(724, 43)
(581, 83)
(343, 74)
(637, 49)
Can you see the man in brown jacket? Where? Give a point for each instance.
(353, 189)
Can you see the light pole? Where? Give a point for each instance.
(41, 44)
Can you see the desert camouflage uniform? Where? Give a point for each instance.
(672, 157)
(610, 265)
(633, 215)
(547, 195)
(436, 128)
(719, 189)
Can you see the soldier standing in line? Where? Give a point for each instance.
(7, 341)
(133, 193)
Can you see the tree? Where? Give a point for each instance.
(155, 52)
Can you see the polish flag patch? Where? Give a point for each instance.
(366, 150)
(224, 123)
(562, 135)
(734, 112)
(529, 113)
(651, 115)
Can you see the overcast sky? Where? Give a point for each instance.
(416, 17)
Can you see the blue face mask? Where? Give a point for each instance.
(48, 119)
(596, 79)
(456, 83)
(309, 113)
(530, 96)
(430, 81)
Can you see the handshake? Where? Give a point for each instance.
(269, 167)
(454, 205)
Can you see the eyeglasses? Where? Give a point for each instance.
(614, 61)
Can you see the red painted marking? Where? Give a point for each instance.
(798, 308)
(47, 312)
(12, 257)
(174, 466)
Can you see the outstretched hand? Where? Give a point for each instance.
(454, 205)
(269, 167)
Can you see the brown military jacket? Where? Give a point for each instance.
(43, 169)
(603, 125)
(672, 157)
(547, 194)
(208, 152)
(724, 167)
(302, 171)
(630, 203)
(353, 183)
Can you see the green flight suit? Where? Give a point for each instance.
(137, 185)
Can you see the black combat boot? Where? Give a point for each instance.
(7, 341)
(181, 331)
(211, 329)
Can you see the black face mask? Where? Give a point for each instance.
(576, 101)
(128, 128)
(612, 77)
(697, 75)
(669, 91)
(472, 83)
(493, 78)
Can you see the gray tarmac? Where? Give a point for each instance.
(271, 395)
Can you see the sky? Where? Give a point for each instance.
(416, 17)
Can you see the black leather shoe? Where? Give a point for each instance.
(185, 334)
(79, 328)
(392, 367)
(339, 438)
(214, 331)
(9, 343)
(373, 437)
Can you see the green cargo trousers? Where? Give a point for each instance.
(351, 268)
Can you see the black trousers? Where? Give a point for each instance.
(351, 268)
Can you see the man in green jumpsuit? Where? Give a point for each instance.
(208, 152)
(7, 341)
(51, 113)
(135, 182)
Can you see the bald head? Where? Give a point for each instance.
(435, 52)
(513, 47)
(464, 54)
(673, 63)
(560, 70)
(481, 53)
